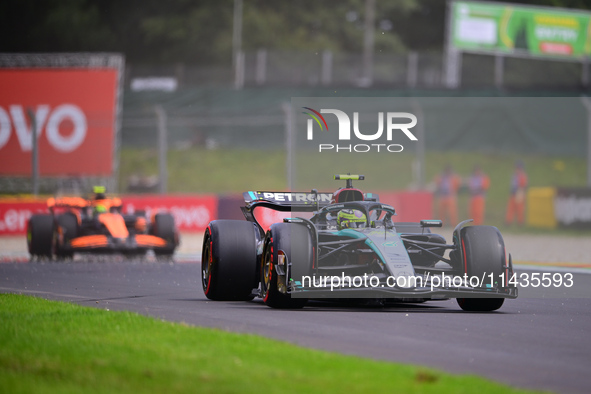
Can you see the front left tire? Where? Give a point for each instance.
(484, 254)
(40, 235)
(229, 260)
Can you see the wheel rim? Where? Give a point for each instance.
(266, 273)
(54, 243)
(206, 263)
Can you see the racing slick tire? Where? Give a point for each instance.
(484, 254)
(280, 238)
(40, 235)
(229, 260)
(68, 223)
(164, 228)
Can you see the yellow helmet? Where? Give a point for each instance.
(351, 218)
(100, 209)
(99, 192)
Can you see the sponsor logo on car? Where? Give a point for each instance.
(290, 197)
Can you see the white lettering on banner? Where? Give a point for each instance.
(43, 113)
(556, 33)
(191, 216)
(572, 209)
(23, 131)
(15, 220)
(4, 127)
(195, 216)
(76, 138)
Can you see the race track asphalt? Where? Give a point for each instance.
(530, 342)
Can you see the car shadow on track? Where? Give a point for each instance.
(348, 306)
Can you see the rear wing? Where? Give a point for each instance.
(283, 202)
(80, 203)
(289, 200)
(295, 200)
(66, 202)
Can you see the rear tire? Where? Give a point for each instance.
(484, 254)
(229, 260)
(68, 223)
(40, 235)
(281, 237)
(164, 228)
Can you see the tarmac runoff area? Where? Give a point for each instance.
(536, 341)
(572, 253)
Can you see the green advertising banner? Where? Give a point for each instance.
(512, 28)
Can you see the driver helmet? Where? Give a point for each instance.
(351, 218)
(100, 209)
(99, 192)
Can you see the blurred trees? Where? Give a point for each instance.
(200, 31)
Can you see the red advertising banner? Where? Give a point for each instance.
(75, 113)
(191, 213)
(409, 206)
(14, 215)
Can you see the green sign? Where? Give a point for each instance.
(508, 28)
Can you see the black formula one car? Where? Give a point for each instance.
(350, 247)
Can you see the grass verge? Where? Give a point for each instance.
(48, 346)
(233, 171)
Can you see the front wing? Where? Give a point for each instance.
(390, 292)
(107, 244)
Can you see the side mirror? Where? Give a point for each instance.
(431, 223)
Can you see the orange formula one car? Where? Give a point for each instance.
(97, 225)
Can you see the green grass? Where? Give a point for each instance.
(227, 171)
(48, 347)
(209, 171)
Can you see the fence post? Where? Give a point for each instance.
(261, 67)
(288, 112)
(587, 105)
(239, 76)
(419, 165)
(162, 149)
(326, 72)
(412, 66)
(499, 70)
(452, 58)
(585, 72)
(35, 152)
(237, 31)
(368, 43)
